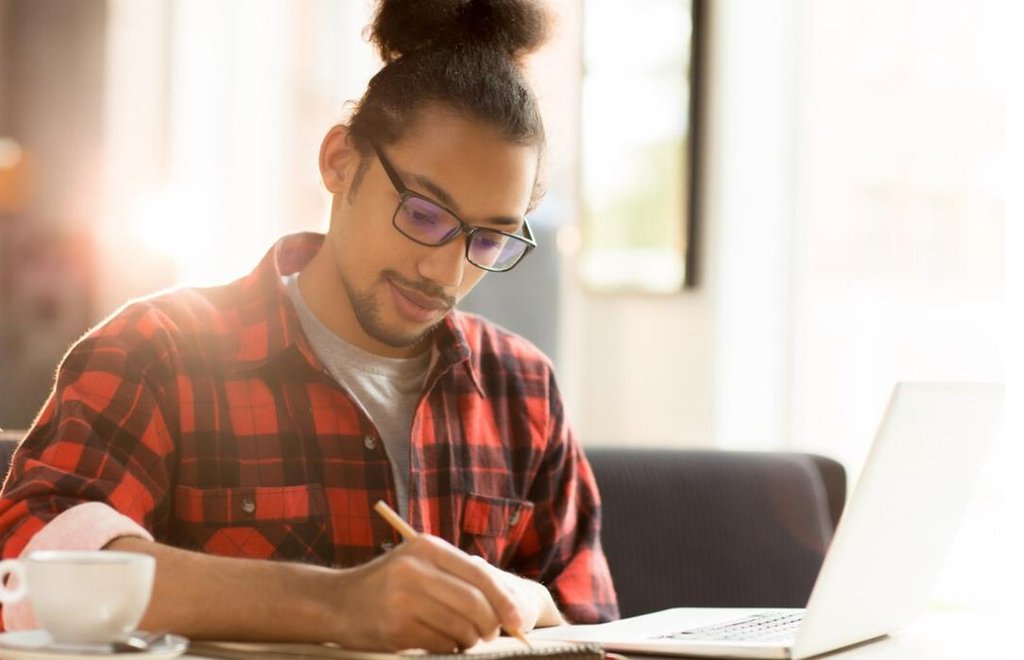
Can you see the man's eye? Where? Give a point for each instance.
(486, 242)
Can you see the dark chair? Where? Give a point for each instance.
(705, 528)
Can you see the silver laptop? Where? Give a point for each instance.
(886, 554)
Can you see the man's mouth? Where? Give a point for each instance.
(423, 301)
(417, 306)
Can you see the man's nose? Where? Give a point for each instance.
(445, 264)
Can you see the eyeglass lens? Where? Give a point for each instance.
(428, 223)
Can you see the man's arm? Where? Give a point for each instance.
(424, 594)
(561, 548)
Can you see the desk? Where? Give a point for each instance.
(938, 636)
(935, 636)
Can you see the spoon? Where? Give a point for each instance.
(138, 643)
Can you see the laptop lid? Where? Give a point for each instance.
(893, 537)
(889, 545)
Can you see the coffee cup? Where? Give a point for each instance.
(82, 597)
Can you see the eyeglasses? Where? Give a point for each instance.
(428, 223)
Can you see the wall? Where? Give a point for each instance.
(727, 364)
(644, 371)
(5, 57)
(53, 55)
(706, 366)
(852, 210)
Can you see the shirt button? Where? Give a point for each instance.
(387, 546)
(370, 442)
(248, 505)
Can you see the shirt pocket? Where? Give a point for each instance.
(286, 522)
(493, 526)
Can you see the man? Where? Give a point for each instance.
(261, 420)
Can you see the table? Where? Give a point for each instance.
(938, 635)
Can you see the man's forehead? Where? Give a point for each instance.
(461, 163)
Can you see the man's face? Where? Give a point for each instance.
(388, 291)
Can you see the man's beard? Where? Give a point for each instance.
(366, 308)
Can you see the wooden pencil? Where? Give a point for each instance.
(408, 533)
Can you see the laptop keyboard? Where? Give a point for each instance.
(763, 627)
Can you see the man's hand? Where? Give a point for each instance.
(427, 594)
(424, 594)
(534, 600)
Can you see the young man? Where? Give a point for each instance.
(220, 428)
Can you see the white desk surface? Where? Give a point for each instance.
(940, 636)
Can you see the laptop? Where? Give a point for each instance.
(885, 556)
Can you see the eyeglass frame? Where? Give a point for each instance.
(464, 227)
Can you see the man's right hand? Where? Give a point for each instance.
(424, 594)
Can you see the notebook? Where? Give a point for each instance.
(502, 648)
(884, 558)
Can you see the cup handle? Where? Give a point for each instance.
(12, 568)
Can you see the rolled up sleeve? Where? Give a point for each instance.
(95, 465)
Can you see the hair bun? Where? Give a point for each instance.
(517, 27)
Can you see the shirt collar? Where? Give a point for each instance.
(454, 348)
(267, 326)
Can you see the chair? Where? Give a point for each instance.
(705, 528)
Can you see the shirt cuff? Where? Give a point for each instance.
(88, 526)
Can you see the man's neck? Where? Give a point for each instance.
(325, 295)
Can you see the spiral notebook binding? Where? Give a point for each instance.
(566, 652)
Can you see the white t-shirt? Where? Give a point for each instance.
(388, 389)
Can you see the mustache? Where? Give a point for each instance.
(428, 289)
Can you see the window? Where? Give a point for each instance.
(638, 144)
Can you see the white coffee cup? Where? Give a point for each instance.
(88, 597)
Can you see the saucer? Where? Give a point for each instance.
(38, 645)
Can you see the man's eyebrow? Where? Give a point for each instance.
(441, 195)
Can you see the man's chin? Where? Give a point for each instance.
(403, 341)
(383, 318)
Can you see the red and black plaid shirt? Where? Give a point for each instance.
(204, 415)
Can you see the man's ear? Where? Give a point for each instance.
(339, 159)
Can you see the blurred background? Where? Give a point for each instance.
(761, 214)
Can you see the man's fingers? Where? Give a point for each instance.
(522, 590)
(419, 635)
(416, 612)
(463, 601)
(449, 624)
(453, 603)
(460, 565)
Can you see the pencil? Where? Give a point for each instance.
(408, 533)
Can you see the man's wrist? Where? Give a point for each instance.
(322, 601)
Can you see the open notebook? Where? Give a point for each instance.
(497, 649)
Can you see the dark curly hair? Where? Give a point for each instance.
(462, 54)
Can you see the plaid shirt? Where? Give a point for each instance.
(204, 415)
